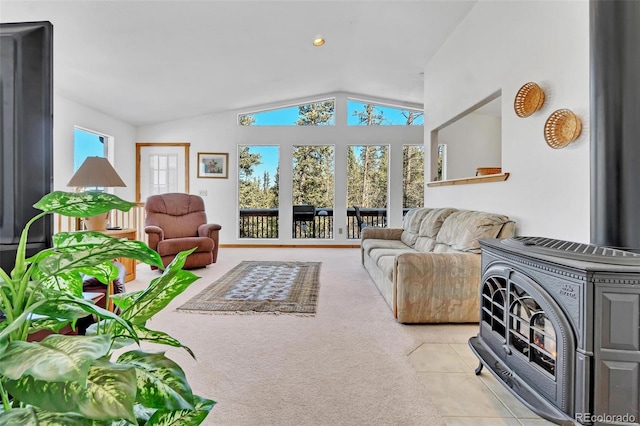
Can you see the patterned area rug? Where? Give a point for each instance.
(262, 287)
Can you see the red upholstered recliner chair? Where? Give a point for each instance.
(176, 222)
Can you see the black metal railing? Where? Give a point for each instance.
(258, 223)
(318, 226)
(263, 223)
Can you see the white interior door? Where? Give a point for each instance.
(161, 168)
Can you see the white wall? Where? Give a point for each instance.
(220, 133)
(473, 141)
(501, 46)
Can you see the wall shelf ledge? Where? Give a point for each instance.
(474, 179)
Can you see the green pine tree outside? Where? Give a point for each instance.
(314, 172)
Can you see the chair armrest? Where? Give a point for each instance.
(209, 230)
(437, 287)
(156, 234)
(381, 233)
(212, 231)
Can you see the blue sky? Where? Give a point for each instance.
(269, 159)
(86, 144)
(288, 116)
(277, 117)
(391, 114)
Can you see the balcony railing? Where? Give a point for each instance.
(263, 223)
(253, 223)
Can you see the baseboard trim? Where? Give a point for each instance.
(289, 245)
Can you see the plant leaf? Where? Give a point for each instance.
(69, 307)
(103, 272)
(76, 250)
(107, 394)
(161, 291)
(66, 307)
(81, 204)
(161, 382)
(183, 417)
(142, 413)
(111, 392)
(159, 337)
(158, 295)
(50, 324)
(72, 281)
(125, 300)
(123, 338)
(17, 322)
(56, 358)
(31, 416)
(64, 282)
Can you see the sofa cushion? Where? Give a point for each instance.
(411, 225)
(368, 245)
(377, 253)
(433, 221)
(430, 227)
(386, 265)
(444, 248)
(462, 229)
(176, 245)
(425, 244)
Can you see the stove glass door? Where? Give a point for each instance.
(530, 331)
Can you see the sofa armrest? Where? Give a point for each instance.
(381, 233)
(155, 235)
(378, 234)
(437, 287)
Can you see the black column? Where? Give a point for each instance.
(615, 123)
(26, 135)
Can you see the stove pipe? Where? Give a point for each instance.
(615, 123)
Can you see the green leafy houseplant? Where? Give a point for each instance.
(90, 379)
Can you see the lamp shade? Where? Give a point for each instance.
(96, 172)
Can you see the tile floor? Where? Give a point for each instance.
(446, 366)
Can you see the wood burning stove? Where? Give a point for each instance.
(560, 328)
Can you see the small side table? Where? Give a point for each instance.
(129, 264)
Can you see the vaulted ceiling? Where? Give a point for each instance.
(153, 61)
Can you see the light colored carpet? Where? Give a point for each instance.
(347, 365)
(261, 287)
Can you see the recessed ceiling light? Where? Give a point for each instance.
(318, 40)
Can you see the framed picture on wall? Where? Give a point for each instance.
(213, 165)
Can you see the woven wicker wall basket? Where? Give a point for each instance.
(562, 128)
(529, 99)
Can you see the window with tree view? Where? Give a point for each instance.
(361, 113)
(319, 113)
(367, 186)
(313, 190)
(258, 191)
(412, 177)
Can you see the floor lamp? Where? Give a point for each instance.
(96, 172)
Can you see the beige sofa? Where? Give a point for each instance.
(428, 271)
